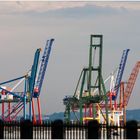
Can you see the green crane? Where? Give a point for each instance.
(90, 84)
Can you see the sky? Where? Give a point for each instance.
(25, 26)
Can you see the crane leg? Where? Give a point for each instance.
(85, 110)
(3, 110)
(3, 93)
(39, 110)
(34, 117)
(9, 107)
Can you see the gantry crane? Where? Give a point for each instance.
(40, 78)
(131, 83)
(113, 113)
(90, 80)
(127, 91)
(31, 88)
(10, 96)
(115, 90)
(21, 98)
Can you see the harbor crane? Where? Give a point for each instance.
(85, 99)
(115, 90)
(31, 84)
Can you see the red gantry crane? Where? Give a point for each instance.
(126, 92)
(131, 83)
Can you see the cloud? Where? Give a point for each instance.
(86, 11)
(24, 6)
(9, 7)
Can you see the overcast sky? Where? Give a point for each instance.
(25, 26)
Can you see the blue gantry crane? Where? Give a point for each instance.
(120, 73)
(40, 78)
(43, 67)
(21, 98)
(30, 89)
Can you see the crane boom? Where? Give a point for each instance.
(43, 68)
(120, 72)
(131, 83)
(34, 71)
